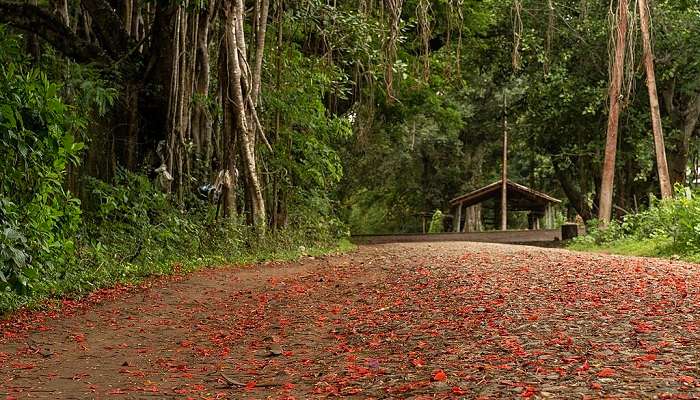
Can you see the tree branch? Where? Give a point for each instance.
(576, 198)
(49, 27)
(108, 27)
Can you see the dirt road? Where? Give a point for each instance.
(419, 321)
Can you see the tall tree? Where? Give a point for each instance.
(616, 75)
(241, 84)
(661, 164)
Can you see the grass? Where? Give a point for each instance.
(656, 247)
(133, 274)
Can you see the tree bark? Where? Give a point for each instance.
(606, 188)
(239, 87)
(576, 198)
(688, 124)
(504, 172)
(659, 146)
(261, 25)
(49, 27)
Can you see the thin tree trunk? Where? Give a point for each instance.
(606, 187)
(276, 185)
(131, 103)
(261, 26)
(660, 147)
(228, 133)
(245, 129)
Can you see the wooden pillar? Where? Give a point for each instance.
(504, 187)
(504, 170)
(478, 225)
(551, 216)
(457, 219)
(469, 219)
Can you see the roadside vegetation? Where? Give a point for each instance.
(137, 135)
(67, 232)
(667, 228)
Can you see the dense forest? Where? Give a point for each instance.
(137, 135)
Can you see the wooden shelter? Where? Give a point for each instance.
(467, 209)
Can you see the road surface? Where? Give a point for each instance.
(415, 321)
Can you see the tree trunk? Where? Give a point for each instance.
(261, 30)
(244, 112)
(688, 123)
(606, 188)
(228, 132)
(576, 198)
(659, 146)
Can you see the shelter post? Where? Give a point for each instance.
(458, 218)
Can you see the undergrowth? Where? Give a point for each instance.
(130, 231)
(54, 243)
(668, 228)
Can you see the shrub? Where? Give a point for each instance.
(677, 220)
(436, 223)
(39, 140)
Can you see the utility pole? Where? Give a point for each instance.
(504, 168)
(661, 164)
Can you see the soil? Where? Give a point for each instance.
(416, 321)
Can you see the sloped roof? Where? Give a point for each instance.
(494, 190)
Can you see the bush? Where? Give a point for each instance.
(127, 229)
(436, 223)
(676, 221)
(131, 230)
(39, 140)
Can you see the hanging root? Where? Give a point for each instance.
(630, 64)
(423, 14)
(458, 54)
(394, 7)
(517, 33)
(549, 36)
(628, 81)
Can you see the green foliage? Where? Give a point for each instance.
(126, 228)
(657, 247)
(132, 230)
(39, 140)
(440, 137)
(437, 222)
(674, 223)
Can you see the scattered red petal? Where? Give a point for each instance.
(417, 362)
(458, 390)
(585, 367)
(439, 376)
(528, 392)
